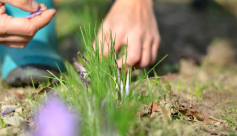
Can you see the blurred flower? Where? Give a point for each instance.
(56, 120)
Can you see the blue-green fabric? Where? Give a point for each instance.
(42, 50)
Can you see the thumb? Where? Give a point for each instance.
(26, 5)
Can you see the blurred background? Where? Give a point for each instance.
(190, 29)
(72, 15)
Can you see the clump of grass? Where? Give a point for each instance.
(104, 107)
(229, 113)
(198, 89)
(105, 104)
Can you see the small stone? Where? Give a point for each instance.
(18, 111)
(167, 107)
(4, 131)
(217, 124)
(156, 133)
(32, 124)
(144, 110)
(15, 121)
(9, 131)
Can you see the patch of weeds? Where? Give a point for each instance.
(229, 112)
(197, 88)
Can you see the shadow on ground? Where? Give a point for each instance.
(191, 32)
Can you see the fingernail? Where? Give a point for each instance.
(35, 5)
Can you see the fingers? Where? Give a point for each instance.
(146, 52)
(155, 47)
(26, 27)
(102, 41)
(15, 38)
(17, 32)
(15, 44)
(105, 41)
(43, 19)
(26, 5)
(134, 50)
(119, 41)
(2, 8)
(42, 5)
(149, 51)
(141, 51)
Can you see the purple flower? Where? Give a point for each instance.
(8, 110)
(56, 120)
(82, 71)
(38, 12)
(80, 68)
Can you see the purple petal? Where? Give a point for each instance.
(82, 71)
(79, 67)
(8, 110)
(81, 74)
(38, 12)
(56, 120)
(82, 57)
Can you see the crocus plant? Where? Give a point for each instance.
(82, 71)
(121, 82)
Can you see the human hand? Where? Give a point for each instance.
(133, 21)
(17, 32)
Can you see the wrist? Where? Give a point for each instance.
(136, 1)
(147, 3)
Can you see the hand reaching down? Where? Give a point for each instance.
(17, 32)
(133, 21)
